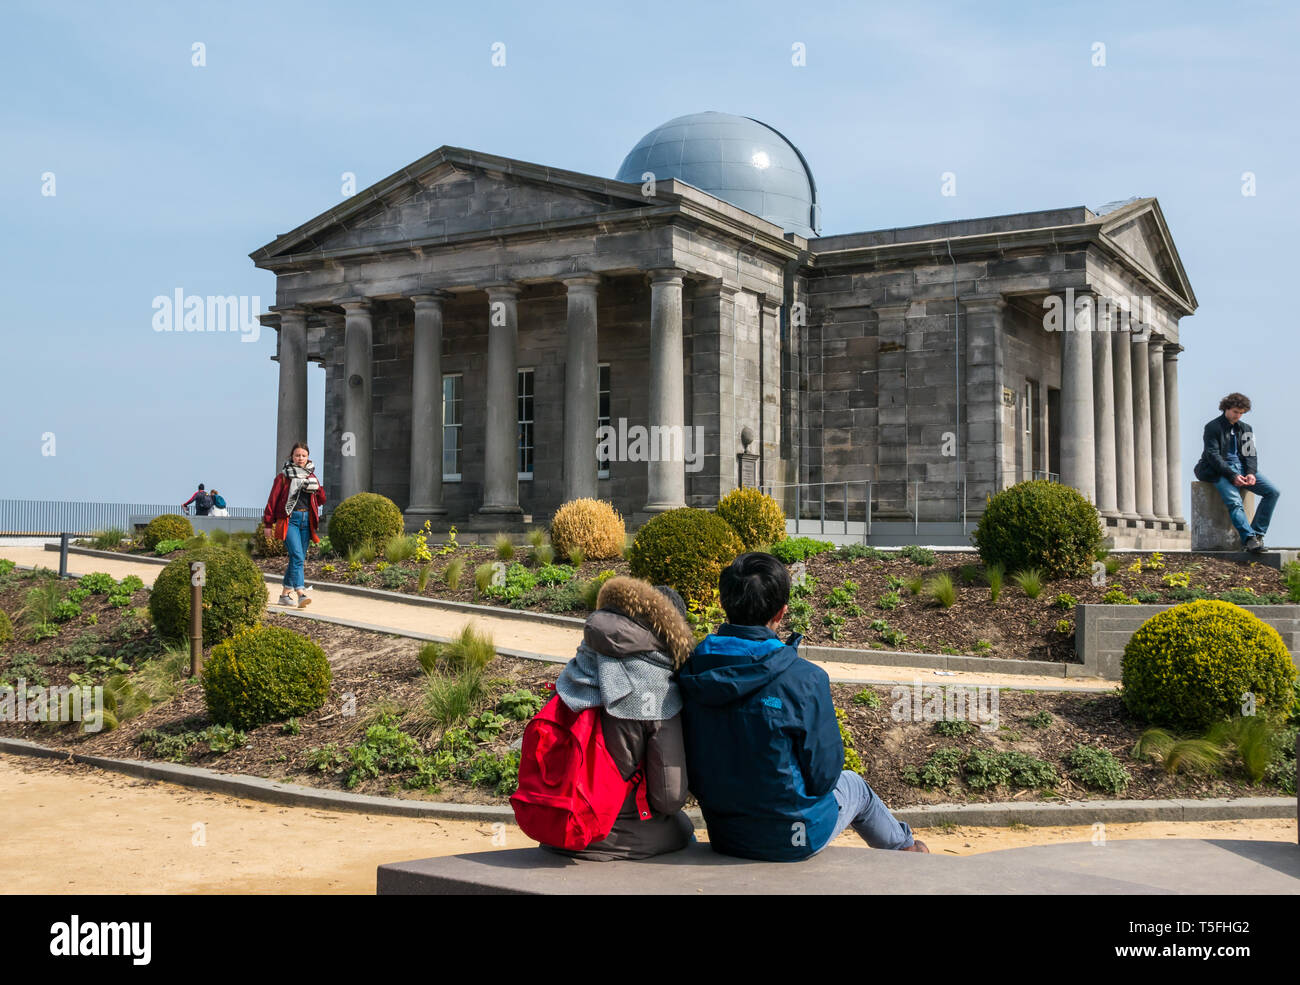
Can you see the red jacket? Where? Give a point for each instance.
(275, 516)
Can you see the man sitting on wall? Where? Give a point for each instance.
(1231, 462)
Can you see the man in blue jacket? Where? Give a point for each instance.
(763, 748)
(1231, 461)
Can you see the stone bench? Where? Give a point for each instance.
(1117, 867)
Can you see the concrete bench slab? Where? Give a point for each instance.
(1121, 868)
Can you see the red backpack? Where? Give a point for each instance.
(570, 790)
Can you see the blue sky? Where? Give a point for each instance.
(168, 175)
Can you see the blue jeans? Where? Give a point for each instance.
(1267, 494)
(295, 540)
(867, 814)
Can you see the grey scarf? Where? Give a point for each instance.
(301, 480)
(634, 686)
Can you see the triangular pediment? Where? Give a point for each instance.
(455, 193)
(1139, 230)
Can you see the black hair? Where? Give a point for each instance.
(200, 485)
(753, 588)
(670, 593)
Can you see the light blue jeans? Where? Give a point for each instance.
(1266, 498)
(867, 814)
(296, 538)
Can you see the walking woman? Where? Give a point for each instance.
(290, 516)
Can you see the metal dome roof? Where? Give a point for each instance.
(735, 158)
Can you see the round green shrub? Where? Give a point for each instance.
(366, 518)
(234, 597)
(755, 517)
(687, 549)
(1192, 665)
(264, 674)
(169, 526)
(1042, 525)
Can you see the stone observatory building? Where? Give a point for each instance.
(499, 337)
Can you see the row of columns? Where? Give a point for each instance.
(1119, 421)
(666, 478)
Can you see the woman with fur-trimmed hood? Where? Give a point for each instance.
(632, 645)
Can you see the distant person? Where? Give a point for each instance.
(219, 504)
(1231, 461)
(202, 501)
(291, 514)
(763, 746)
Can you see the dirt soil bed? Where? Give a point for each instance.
(377, 672)
(1016, 627)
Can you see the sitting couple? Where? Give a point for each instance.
(741, 721)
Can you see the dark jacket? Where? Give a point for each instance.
(274, 515)
(1214, 459)
(762, 744)
(631, 646)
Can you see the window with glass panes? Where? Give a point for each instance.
(602, 417)
(452, 408)
(525, 417)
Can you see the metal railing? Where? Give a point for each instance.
(858, 499)
(49, 518)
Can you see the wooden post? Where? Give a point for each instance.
(198, 577)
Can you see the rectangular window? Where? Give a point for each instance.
(452, 407)
(602, 417)
(525, 417)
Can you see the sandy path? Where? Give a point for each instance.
(515, 634)
(167, 839)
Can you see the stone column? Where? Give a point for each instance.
(426, 409)
(581, 392)
(1078, 456)
(291, 406)
(1103, 408)
(358, 438)
(1159, 443)
(1173, 438)
(1142, 422)
(1126, 490)
(982, 451)
(501, 414)
(713, 395)
(666, 476)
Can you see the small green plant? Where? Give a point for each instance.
(385, 749)
(291, 727)
(503, 546)
(916, 584)
(453, 573)
(868, 699)
(937, 772)
(109, 539)
(800, 615)
(942, 590)
(852, 761)
(399, 548)
(577, 556)
(535, 537)
(1113, 564)
(1177, 579)
(894, 637)
(917, 555)
(994, 575)
(953, 728)
(1065, 601)
(889, 601)
(1030, 581)
(1117, 596)
(1291, 576)
(486, 726)
(1040, 719)
(1098, 769)
(982, 646)
(858, 552)
(969, 574)
(794, 549)
(519, 705)
(1064, 627)
(895, 582)
(834, 622)
(544, 555)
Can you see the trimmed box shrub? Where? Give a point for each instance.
(264, 674)
(755, 517)
(366, 518)
(687, 549)
(1193, 665)
(168, 526)
(591, 526)
(1040, 524)
(234, 597)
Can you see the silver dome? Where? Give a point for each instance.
(737, 159)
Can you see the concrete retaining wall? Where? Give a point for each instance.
(1102, 632)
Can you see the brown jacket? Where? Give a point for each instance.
(631, 645)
